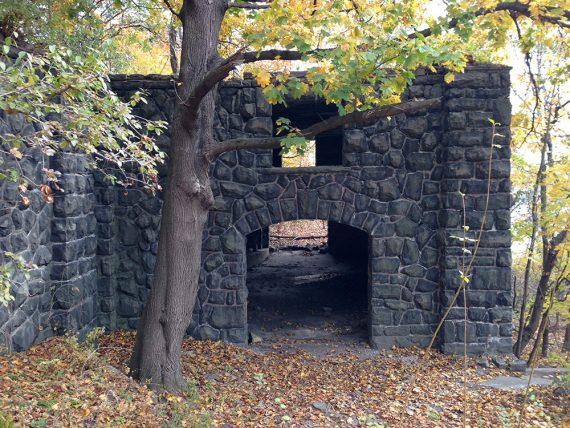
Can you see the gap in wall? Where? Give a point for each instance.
(308, 293)
(325, 149)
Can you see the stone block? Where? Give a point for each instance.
(420, 161)
(228, 317)
(386, 291)
(128, 307)
(456, 120)
(380, 143)
(259, 126)
(355, 141)
(234, 190)
(23, 337)
(268, 191)
(459, 170)
(388, 190)
(244, 175)
(206, 332)
(380, 316)
(424, 301)
(385, 264)
(413, 186)
(414, 126)
(393, 246)
(504, 258)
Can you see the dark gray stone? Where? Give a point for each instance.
(456, 120)
(227, 316)
(385, 264)
(414, 126)
(388, 190)
(421, 161)
(259, 126)
(244, 176)
(234, 190)
(253, 202)
(380, 143)
(268, 191)
(355, 141)
(400, 182)
(393, 247)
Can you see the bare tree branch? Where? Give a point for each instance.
(360, 117)
(171, 8)
(534, 84)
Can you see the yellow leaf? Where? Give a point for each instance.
(263, 78)
(449, 77)
(16, 153)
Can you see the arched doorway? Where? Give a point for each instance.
(310, 287)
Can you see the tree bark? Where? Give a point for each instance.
(550, 258)
(172, 46)
(530, 254)
(534, 352)
(515, 293)
(545, 340)
(566, 344)
(157, 351)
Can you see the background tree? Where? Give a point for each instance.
(542, 157)
(130, 35)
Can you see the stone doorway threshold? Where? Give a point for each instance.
(311, 301)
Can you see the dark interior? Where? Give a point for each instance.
(312, 294)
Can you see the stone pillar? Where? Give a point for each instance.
(471, 100)
(107, 260)
(73, 270)
(24, 231)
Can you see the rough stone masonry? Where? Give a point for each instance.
(404, 181)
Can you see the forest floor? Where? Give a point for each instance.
(310, 366)
(62, 383)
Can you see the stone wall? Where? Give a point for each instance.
(399, 184)
(25, 230)
(57, 239)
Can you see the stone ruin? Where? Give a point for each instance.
(399, 182)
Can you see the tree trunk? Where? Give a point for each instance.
(514, 293)
(534, 352)
(551, 255)
(172, 46)
(566, 344)
(534, 213)
(157, 351)
(545, 340)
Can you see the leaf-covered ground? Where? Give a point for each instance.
(58, 383)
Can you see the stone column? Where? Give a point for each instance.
(471, 100)
(107, 260)
(73, 270)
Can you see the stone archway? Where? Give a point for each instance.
(396, 242)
